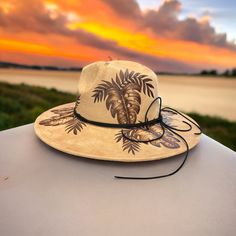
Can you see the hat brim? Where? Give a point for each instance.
(59, 129)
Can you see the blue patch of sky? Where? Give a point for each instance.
(222, 13)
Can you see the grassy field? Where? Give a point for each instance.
(21, 104)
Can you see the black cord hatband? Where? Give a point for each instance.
(146, 125)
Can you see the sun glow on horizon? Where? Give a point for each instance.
(84, 31)
(173, 49)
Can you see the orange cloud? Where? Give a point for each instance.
(80, 53)
(83, 31)
(156, 46)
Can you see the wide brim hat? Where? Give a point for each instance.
(117, 116)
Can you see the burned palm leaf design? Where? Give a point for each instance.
(153, 132)
(122, 95)
(128, 145)
(65, 116)
(168, 140)
(123, 100)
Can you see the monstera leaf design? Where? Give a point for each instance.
(155, 131)
(168, 140)
(123, 100)
(123, 95)
(65, 116)
(145, 134)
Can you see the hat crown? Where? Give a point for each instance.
(117, 92)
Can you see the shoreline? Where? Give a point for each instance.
(205, 95)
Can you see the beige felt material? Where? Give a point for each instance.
(118, 92)
(99, 143)
(94, 74)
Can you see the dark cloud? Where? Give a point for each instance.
(32, 16)
(158, 64)
(192, 30)
(164, 22)
(36, 18)
(125, 8)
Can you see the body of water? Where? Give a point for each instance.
(204, 95)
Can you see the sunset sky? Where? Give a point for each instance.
(171, 35)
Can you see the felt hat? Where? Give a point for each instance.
(117, 116)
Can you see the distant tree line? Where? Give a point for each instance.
(213, 72)
(227, 73)
(37, 67)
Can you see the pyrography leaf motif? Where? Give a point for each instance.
(62, 116)
(65, 116)
(128, 145)
(123, 100)
(122, 95)
(74, 125)
(168, 140)
(154, 132)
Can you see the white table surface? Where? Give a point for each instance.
(46, 192)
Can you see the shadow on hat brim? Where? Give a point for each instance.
(59, 129)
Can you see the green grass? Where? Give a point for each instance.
(21, 104)
(222, 130)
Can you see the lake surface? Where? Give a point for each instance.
(205, 95)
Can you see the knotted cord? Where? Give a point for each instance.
(159, 120)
